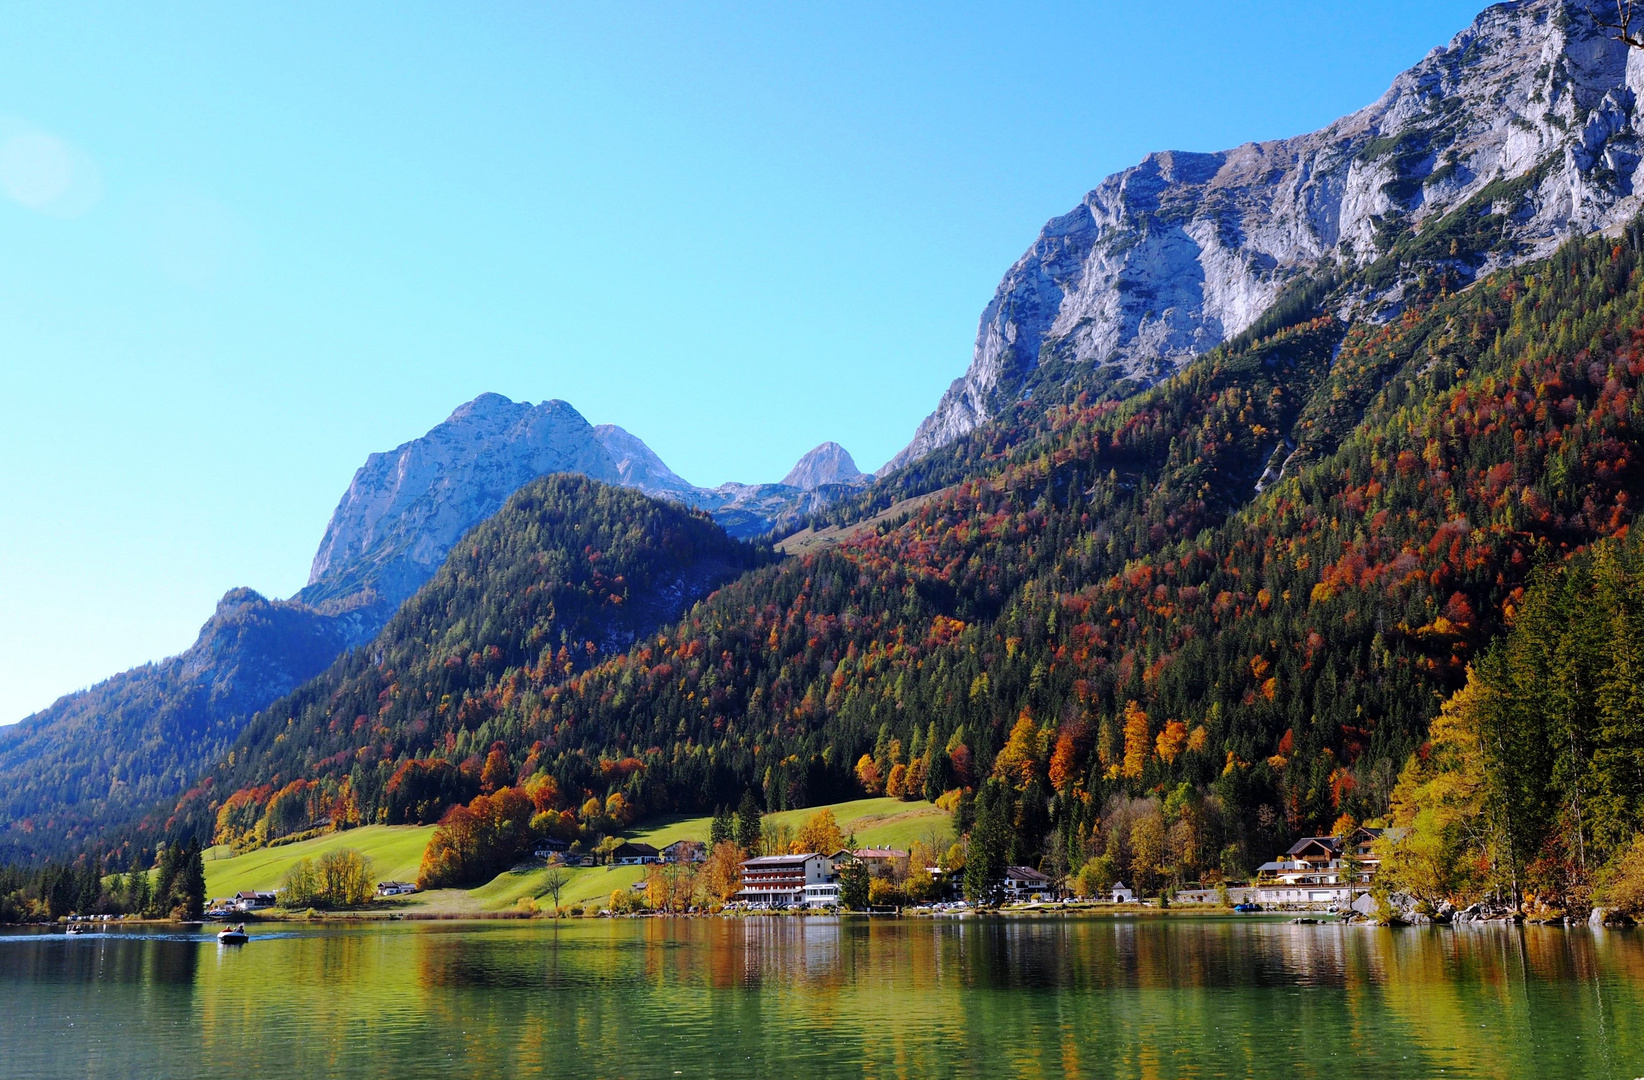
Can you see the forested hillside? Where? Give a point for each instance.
(1105, 630)
(569, 571)
(103, 756)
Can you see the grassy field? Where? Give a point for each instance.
(396, 852)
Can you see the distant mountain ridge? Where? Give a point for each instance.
(145, 734)
(1526, 127)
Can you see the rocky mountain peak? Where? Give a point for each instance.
(829, 463)
(1521, 132)
(405, 508)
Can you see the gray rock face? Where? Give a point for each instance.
(405, 508)
(638, 467)
(829, 463)
(1532, 111)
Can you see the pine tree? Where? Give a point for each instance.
(749, 823)
(192, 886)
(723, 828)
(990, 841)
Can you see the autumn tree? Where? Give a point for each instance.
(819, 833)
(868, 776)
(1147, 858)
(1138, 745)
(721, 873)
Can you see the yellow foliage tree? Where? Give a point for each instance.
(721, 875)
(1018, 763)
(819, 833)
(1443, 837)
(1171, 741)
(1138, 745)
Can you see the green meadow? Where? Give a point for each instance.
(396, 853)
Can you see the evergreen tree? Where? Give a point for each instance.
(853, 885)
(749, 822)
(165, 880)
(723, 828)
(191, 885)
(990, 840)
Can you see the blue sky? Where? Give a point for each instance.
(244, 246)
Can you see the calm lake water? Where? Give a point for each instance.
(1098, 997)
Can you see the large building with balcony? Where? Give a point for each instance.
(781, 880)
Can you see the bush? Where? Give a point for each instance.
(885, 893)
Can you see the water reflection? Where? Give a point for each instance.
(825, 997)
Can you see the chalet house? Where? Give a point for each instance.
(551, 849)
(1022, 882)
(635, 854)
(880, 860)
(776, 881)
(1313, 870)
(252, 901)
(685, 851)
(395, 888)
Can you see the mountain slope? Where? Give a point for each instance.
(97, 756)
(1528, 118)
(1125, 599)
(568, 571)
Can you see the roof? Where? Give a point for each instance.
(1026, 873)
(632, 847)
(880, 853)
(763, 861)
(684, 843)
(1328, 843)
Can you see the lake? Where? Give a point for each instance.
(819, 997)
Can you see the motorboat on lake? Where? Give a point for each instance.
(233, 935)
(79, 928)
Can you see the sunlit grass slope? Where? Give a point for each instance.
(396, 853)
(874, 822)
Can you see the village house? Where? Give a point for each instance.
(633, 853)
(253, 901)
(1313, 870)
(880, 861)
(685, 851)
(551, 849)
(777, 881)
(1023, 882)
(395, 888)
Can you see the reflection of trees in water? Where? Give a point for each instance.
(859, 997)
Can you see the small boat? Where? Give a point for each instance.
(79, 928)
(1246, 908)
(233, 935)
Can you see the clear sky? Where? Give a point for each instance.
(246, 245)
